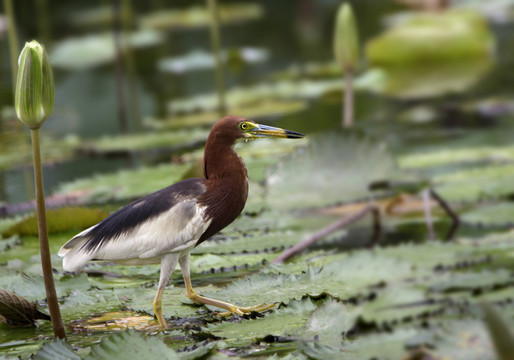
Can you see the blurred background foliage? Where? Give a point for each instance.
(135, 98)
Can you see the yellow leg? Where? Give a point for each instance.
(157, 308)
(168, 264)
(193, 296)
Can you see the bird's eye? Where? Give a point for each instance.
(243, 126)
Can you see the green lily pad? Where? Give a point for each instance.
(285, 321)
(198, 16)
(59, 220)
(496, 214)
(201, 60)
(477, 183)
(125, 184)
(149, 142)
(129, 344)
(89, 51)
(428, 38)
(333, 168)
(56, 350)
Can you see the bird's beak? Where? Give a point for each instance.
(269, 131)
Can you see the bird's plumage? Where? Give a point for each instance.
(165, 221)
(165, 225)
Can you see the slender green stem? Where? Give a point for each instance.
(120, 68)
(348, 103)
(216, 49)
(14, 49)
(43, 22)
(46, 262)
(126, 12)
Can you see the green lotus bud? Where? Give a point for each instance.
(346, 37)
(34, 97)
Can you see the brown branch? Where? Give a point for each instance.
(428, 214)
(452, 214)
(330, 229)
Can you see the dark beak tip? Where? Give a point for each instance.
(294, 135)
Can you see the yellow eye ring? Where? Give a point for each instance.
(243, 126)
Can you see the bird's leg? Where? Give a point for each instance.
(193, 296)
(168, 264)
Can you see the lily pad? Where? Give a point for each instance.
(131, 344)
(58, 220)
(428, 38)
(201, 60)
(150, 142)
(126, 184)
(477, 183)
(89, 51)
(198, 16)
(332, 169)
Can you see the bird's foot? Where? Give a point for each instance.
(240, 310)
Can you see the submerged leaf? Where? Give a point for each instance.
(17, 310)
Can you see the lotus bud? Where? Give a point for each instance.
(346, 37)
(34, 97)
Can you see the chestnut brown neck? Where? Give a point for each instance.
(222, 162)
(226, 181)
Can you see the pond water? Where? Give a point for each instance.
(292, 32)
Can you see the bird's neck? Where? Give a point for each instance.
(222, 162)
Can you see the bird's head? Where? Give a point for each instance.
(236, 127)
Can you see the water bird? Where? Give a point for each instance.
(163, 227)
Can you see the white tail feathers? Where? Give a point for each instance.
(74, 257)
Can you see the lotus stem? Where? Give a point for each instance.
(42, 21)
(46, 262)
(348, 101)
(120, 67)
(216, 49)
(126, 12)
(14, 49)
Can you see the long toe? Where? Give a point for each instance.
(241, 310)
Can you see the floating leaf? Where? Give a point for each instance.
(501, 335)
(501, 214)
(477, 183)
(463, 340)
(383, 346)
(18, 311)
(473, 154)
(125, 184)
(333, 168)
(284, 322)
(329, 322)
(262, 108)
(459, 34)
(56, 350)
(198, 16)
(94, 50)
(59, 220)
(163, 142)
(200, 60)
(129, 345)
